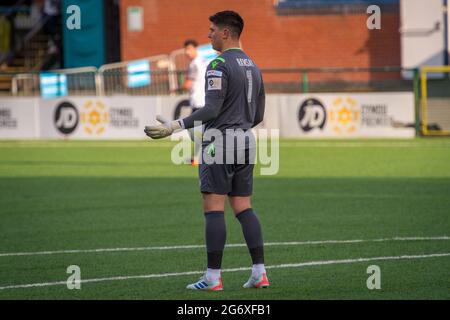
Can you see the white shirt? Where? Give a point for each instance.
(196, 73)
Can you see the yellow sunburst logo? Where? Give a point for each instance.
(94, 117)
(344, 115)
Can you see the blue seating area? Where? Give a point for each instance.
(6, 10)
(325, 3)
(332, 6)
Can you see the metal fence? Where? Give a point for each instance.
(167, 79)
(336, 80)
(178, 66)
(80, 81)
(114, 78)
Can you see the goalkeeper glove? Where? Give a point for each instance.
(163, 130)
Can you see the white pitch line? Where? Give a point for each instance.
(279, 266)
(182, 247)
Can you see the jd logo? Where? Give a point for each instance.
(66, 118)
(312, 115)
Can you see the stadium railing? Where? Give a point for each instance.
(346, 79)
(178, 66)
(115, 78)
(80, 81)
(166, 77)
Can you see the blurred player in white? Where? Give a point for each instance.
(195, 84)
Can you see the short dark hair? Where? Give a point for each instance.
(191, 42)
(229, 19)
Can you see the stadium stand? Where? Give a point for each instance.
(305, 7)
(28, 42)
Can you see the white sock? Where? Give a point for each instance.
(213, 274)
(258, 269)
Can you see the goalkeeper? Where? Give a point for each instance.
(234, 102)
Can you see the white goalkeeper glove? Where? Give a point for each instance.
(163, 130)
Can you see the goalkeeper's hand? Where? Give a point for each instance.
(163, 130)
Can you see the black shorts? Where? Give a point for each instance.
(235, 180)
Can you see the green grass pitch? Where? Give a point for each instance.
(77, 195)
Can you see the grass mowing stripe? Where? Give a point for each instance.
(280, 266)
(284, 145)
(290, 243)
